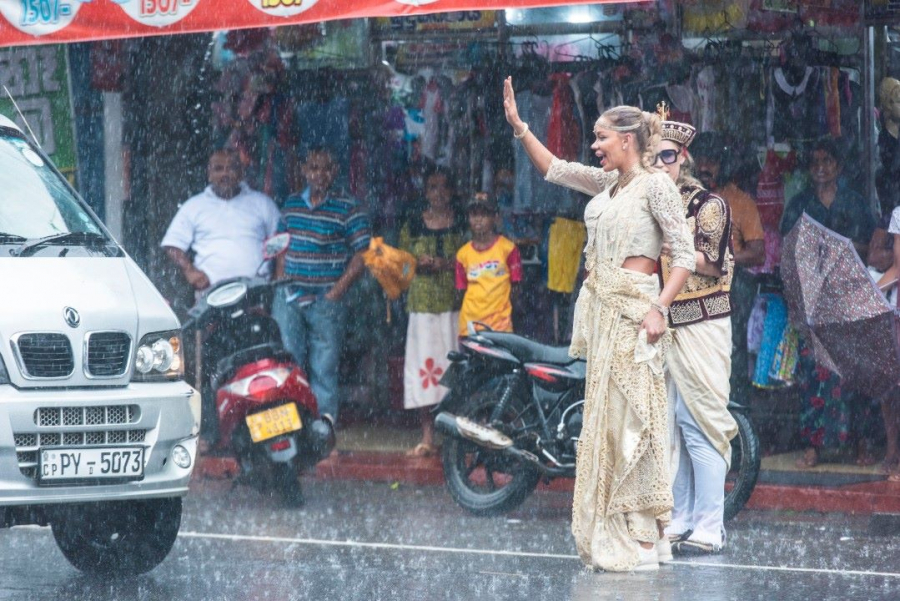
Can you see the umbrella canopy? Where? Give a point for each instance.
(841, 312)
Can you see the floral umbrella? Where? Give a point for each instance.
(839, 310)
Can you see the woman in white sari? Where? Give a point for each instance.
(623, 496)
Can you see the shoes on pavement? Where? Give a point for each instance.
(664, 550)
(695, 547)
(648, 559)
(677, 538)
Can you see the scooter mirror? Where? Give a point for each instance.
(276, 245)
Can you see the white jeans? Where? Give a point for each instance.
(699, 487)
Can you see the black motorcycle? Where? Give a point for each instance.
(514, 414)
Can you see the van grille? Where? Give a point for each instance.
(110, 415)
(29, 443)
(46, 355)
(107, 353)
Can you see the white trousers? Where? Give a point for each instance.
(699, 487)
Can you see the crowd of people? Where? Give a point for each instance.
(661, 317)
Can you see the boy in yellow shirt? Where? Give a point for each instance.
(487, 268)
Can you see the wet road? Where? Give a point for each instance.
(367, 541)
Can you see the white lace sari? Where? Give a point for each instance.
(622, 483)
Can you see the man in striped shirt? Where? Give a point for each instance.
(329, 232)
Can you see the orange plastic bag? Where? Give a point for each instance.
(393, 268)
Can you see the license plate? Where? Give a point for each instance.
(453, 376)
(91, 463)
(273, 422)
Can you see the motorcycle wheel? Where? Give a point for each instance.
(482, 481)
(744, 470)
(119, 538)
(287, 483)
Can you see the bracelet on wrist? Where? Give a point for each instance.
(663, 310)
(518, 136)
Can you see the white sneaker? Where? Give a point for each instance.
(664, 550)
(648, 559)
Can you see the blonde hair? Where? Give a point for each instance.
(646, 128)
(888, 89)
(686, 173)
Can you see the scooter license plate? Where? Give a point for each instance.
(453, 376)
(274, 422)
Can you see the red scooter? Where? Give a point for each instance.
(268, 416)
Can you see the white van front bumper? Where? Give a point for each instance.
(155, 416)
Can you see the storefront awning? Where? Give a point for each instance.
(24, 22)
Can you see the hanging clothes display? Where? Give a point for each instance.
(770, 204)
(774, 325)
(435, 140)
(796, 109)
(532, 194)
(563, 130)
(705, 81)
(254, 114)
(565, 245)
(681, 100)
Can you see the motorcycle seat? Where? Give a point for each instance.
(252, 354)
(527, 350)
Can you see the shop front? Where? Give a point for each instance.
(406, 90)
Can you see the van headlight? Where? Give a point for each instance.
(159, 357)
(4, 375)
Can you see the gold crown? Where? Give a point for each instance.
(680, 133)
(662, 109)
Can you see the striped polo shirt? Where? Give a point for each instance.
(323, 239)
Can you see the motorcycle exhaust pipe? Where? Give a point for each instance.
(490, 438)
(462, 427)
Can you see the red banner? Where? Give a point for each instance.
(51, 21)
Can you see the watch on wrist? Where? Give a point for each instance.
(663, 310)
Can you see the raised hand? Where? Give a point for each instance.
(509, 106)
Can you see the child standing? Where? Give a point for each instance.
(487, 268)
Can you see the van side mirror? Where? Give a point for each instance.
(276, 245)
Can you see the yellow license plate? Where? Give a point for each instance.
(272, 422)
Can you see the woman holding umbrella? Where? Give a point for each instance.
(699, 362)
(623, 496)
(829, 416)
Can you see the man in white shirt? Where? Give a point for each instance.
(225, 226)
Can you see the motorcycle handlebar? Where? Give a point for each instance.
(201, 310)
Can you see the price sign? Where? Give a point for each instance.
(158, 13)
(40, 17)
(283, 8)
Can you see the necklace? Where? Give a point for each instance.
(627, 177)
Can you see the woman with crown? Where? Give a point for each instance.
(623, 493)
(699, 362)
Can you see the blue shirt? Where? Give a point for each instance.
(323, 239)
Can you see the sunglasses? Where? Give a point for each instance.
(668, 157)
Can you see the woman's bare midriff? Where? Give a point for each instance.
(644, 265)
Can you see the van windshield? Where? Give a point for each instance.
(35, 201)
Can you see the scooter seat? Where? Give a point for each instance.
(252, 354)
(528, 350)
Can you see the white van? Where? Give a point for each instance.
(98, 429)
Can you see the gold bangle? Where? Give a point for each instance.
(521, 135)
